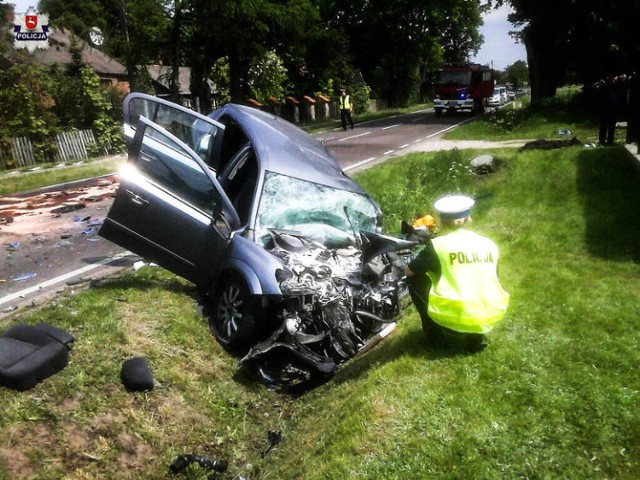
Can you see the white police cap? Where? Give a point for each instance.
(454, 206)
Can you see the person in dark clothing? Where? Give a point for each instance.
(611, 99)
(633, 111)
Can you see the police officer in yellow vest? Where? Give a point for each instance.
(345, 105)
(454, 283)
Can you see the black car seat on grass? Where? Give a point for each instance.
(31, 353)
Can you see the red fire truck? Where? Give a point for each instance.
(463, 88)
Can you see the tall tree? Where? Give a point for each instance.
(243, 31)
(398, 43)
(580, 39)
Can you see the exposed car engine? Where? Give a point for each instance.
(334, 301)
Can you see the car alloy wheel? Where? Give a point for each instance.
(232, 318)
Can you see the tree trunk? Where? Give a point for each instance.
(545, 66)
(237, 74)
(174, 80)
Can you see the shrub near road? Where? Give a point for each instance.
(555, 395)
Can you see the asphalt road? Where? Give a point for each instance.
(47, 256)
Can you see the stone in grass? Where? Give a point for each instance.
(484, 164)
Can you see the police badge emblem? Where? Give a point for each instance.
(31, 31)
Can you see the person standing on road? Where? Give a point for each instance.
(345, 105)
(453, 281)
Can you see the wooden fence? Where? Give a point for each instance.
(75, 145)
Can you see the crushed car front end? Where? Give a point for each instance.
(339, 286)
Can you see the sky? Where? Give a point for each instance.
(499, 49)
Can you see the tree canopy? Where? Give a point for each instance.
(396, 45)
(576, 40)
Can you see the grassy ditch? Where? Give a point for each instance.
(555, 395)
(520, 120)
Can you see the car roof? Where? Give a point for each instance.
(286, 149)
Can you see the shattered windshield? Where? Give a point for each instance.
(323, 213)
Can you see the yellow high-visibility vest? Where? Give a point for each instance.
(467, 297)
(345, 102)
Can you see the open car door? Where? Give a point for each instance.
(202, 134)
(170, 208)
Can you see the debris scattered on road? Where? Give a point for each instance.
(67, 207)
(24, 276)
(10, 309)
(88, 231)
(564, 132)
(13, 246)
(139, 264)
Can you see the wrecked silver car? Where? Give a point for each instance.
(255, 212)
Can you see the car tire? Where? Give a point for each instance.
(438, 111)
(232, 320)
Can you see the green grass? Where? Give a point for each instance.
(556, 395)
(567, 111)
(24, 181)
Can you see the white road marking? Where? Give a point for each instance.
(404, 146)
(61, 278)
(449, 128)
(391, 126)
(356, 165)
(388, 152)
(371, 159)
(417, 119)
(354, 136)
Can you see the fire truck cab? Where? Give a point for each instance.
(463, 88)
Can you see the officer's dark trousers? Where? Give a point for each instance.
(345, 116)
(435, 334)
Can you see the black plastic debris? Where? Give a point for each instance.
(274, 438)
(550, 144)
(136, 375)
(77, 281)
(183, 461)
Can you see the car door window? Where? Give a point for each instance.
(202, 134)
(170, 166)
